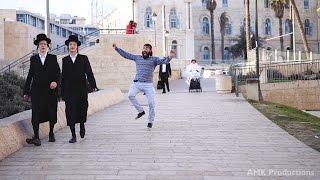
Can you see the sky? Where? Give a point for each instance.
(80, 8)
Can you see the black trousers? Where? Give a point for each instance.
(165, 82)
(36, 129)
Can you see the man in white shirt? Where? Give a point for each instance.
(164, 74)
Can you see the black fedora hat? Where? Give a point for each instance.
(41, 37)
(72, 38)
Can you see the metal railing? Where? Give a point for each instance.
(276, 72)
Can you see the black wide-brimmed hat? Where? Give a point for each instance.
(72, 38)
(41, 37)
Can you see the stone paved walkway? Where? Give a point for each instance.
(196, 136)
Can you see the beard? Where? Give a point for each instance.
(145, 55)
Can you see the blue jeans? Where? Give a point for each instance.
(148, 89)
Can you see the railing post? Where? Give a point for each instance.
(236, 83)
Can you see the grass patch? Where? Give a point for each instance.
(297, 123)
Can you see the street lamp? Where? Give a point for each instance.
(154, 19)
(257, 52)
(166, 34)
(318, 11)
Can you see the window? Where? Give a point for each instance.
(266, 4)
(228, 28)
(226, 54)
(57, 30)
(21, 18)
(306, 4)
(267, 27)
(287, 26)
(41, 24)
(174, 21)
(224, 3)
(205, 26)
(308, 27)
(204, 3)
(174, 47)
(206, 52)
(148, 18)
(64, 33)
(32, 21)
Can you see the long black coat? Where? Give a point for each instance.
(44, 100)
(74, 87)
(166, 74)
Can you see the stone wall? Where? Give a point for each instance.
(111, 70)
(19, 39)
(304, 95)
(15, 129)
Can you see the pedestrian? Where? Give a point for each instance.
(164, 74)
(76, 73)
(145, 65)
(41, 85)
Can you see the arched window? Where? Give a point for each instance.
(174, 21)
(266, 4)
(148, 18)
(206, 53)
(228, 28)
(226, 54)
(308, 27)
(174, 47)
(204, 3)
(224, 3)
(287, 26)
(306, 4)
(205, 26)
(267, 27)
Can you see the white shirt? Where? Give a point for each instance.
(73, 58)
(164, 68)
(43, 58)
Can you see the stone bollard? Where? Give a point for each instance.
(252, 89)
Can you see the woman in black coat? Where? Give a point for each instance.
(76, 70)
(41, 85)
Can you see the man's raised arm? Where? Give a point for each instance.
(125, 54)
(165, 60)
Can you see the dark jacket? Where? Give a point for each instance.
(74, 87)
(44, 100)
(165, 74)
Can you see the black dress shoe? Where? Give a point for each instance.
(82, 132)
(140, 115)
(73, 140)
(51, 137)
(149, 125)
(34, 141)
(163, 92)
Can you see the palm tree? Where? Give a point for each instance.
(247, 25)
(303, 35)
(223, 20)
(278, 8)
(211, 6)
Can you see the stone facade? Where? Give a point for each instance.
(191, 13)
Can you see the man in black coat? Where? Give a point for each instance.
(164, 74)
(76, 70)
(41, 85)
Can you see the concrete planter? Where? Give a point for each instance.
(223, 84)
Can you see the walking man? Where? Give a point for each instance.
(41, 85)
(164, 74)
(76, 70)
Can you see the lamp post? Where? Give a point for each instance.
(154, 19)
(47, 22)
(166, 34)
(133, 2)
(257, 52)
(318, 11)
